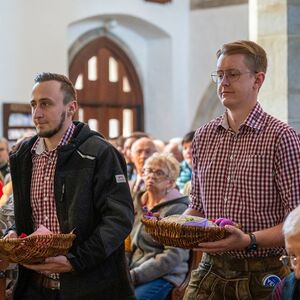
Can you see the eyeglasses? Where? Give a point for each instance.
(289, 260)
(231, 75)
(156, 173)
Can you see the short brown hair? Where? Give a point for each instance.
(255, 55)
(66, 85)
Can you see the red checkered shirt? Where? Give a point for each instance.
(251, 177)
(42, 182)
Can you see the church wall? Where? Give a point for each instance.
(37, 38)
(209, 29)
(172, 48)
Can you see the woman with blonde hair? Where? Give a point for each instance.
(156, 269)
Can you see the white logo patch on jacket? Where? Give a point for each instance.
(120, 178)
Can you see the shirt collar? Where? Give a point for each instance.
(254, 120)
(39, 146)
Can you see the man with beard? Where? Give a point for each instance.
(68, 177)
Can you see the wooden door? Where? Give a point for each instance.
(109, 91)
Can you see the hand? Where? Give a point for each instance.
(237, 240)
(57, 264)
(11, 234)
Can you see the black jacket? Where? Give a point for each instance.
(92, 197)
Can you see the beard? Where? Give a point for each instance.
(50, 133)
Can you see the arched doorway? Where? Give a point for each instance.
(109, 92)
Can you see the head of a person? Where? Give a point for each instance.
(128, 141)
(4, 151)
(141, 149)
(120, 140)
(53, 103)
(174, 147)
(187, 147)
(160, 145)
(241, 68)
(291, 231)
(127, 148)
(160, 172)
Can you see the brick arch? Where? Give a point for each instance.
(100, 98)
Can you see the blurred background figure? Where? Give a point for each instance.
(4, 166)
(185, 173)
(141, 149)
(174, 147)
(128, 141)
(156, 269)
(160, 145)
(289, 287)
(117, 142)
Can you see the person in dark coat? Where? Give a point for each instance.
(69, 178)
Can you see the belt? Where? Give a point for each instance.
(252, 264)
(41, 280)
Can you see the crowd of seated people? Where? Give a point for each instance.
(6, 214)
(154, 268)
(139, 146)
(159, 175)
(146, 157)
(185, 174)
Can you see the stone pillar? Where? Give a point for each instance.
(275, 25)
(294, 63)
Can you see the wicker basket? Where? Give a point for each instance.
(34, 249)
(182, 236)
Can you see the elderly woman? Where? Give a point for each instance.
(289, 288)
(156, 269)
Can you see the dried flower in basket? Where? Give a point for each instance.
(147, 214)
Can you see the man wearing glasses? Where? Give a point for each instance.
(245, 168)
(289, 288)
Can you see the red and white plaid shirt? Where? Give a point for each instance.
(251, 177)
(42, 182)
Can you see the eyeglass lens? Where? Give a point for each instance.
(156, 173)
(231, 75)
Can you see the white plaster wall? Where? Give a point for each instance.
(36, 37)
(209, 29)
(269, 28)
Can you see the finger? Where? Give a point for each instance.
(50, 260)
(212, 245)
(232, 229)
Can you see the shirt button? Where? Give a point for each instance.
(228, 178)
(46, 198)
(47, 178)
